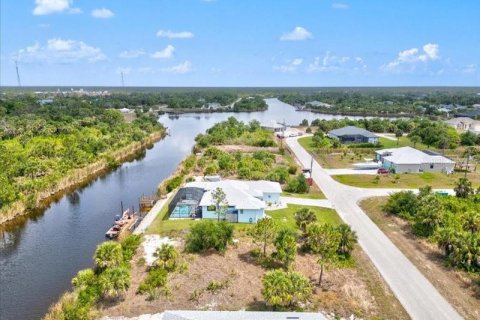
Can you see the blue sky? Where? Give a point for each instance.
(240, 42)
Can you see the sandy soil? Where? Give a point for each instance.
(458, 287)
(344, 291)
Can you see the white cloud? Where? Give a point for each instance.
(179, 68)
(128, 54)
(102, 13)
(408, 59)
(291, 66)
(340, 6)
(59, 50)
(44, 7)
(297, 34)
(174, 35)
(330, 62)
(471, 68)
(165, 53)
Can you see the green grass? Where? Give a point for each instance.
(310, 195)
(403, 142)
(286, 217)
(307, 144)
(407, 180)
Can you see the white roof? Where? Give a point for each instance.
(240, 194)
(272, 124)
(455, 121)
(409, 155)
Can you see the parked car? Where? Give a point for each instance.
(383, 171)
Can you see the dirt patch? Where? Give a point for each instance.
(460, 288)
(344, 292)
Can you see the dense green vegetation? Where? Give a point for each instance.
(250, 104)
(379, 101)
(107, 282)
(209, 234)
(41, 145)
(452, 222)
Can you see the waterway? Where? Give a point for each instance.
(41, 253)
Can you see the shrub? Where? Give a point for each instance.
(114, 282)
(402, 203)
(298, 184)
(209, 234)
(167, 257)
(174, 183)
(286, 247)
(292, 169)
(108, 255)
(156, 278)
(285, 289)
(130, 245)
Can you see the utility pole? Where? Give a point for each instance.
(18, 74)
(311, 167)
(123, 82)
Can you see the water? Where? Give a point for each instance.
(40, 254)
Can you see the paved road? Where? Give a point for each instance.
(417, 295)
(334, 172)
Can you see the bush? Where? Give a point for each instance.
(292, 169)
(285, 289)
(157, 277)
(298, 184)
(130, 245)
(174, 183)
(209, 234)
(402, 203)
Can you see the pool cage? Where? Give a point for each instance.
(185, 203)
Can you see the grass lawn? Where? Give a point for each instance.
(285, 217)
(310, 195)
(306, 143)
(404, 142)
(408, 180)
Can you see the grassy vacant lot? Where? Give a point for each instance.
(403, 142)
(286, 217)
(457, 286)
(407, 180)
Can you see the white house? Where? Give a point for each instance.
(351, 134)
(246, 200)
(410, 160)
(273, 126)
(464, 124)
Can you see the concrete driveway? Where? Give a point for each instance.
(417, 295)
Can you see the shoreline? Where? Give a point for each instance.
(77, 178)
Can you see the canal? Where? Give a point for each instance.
(40, 254)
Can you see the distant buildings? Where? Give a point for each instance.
(350, 135)
(246, 200)
(273, 126)
(464, 124)
(410, 160)
(317, 104)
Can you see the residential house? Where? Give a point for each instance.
(464, 124)
(246, 200)
(410, 160)
(273, 126)
(350, 134)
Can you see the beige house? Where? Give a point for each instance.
(464, 124)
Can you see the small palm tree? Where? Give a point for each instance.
(108, 254)
(348, 239)
(167, 257)
(304, 217)
(114, 282)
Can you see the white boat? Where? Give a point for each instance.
(367, 165)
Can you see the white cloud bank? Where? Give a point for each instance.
(165, 53)
(102, 13)
(331, 62)
(408, 59)
(59, 50)
(44, 7)
(297, 34)
(174, 35)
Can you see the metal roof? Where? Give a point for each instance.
(350, 131)
(409, 155)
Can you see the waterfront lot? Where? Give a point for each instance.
(457, 286)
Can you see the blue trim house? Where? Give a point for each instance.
(246, 200)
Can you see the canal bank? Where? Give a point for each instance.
(41, 253)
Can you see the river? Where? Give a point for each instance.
(40, 254)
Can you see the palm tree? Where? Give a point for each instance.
(398, 135)
(348, 239)
(167, 257)
(304, 217)
(108, 254)
(114, 282)
(471, 221)
(415, 139)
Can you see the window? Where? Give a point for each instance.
(241, 211)
(431, 165)
(269, 196)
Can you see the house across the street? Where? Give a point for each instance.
(352, 134)
(246, 200)
(464, 124)
(410, 160)
(273, 126)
